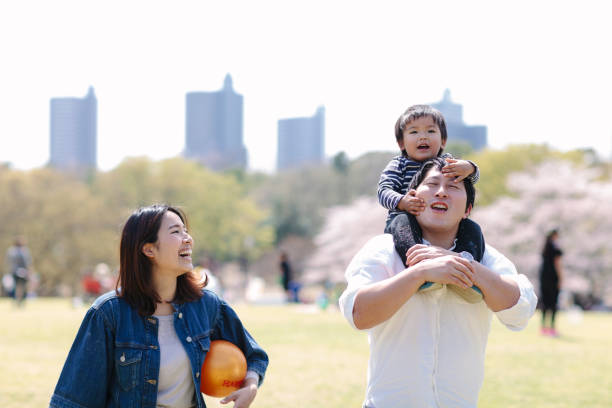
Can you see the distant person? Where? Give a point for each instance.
(289, 285)
(427, 349)
(420, 133)
(143, 344)
(92, 288)
(8, 285)
(19, 264)
(551, 280)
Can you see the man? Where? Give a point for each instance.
(19, 262)
(427, 348)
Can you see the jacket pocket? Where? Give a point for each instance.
(203, 343)
(127, 364)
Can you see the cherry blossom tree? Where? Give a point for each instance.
(573, 199)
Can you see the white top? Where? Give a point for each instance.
(431, 352)
(175, 388)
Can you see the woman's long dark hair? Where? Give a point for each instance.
(135, 283)
(549, 244)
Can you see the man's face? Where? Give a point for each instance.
(445, 202)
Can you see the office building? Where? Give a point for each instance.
(213, 128)
(458, 131)
(301, 141)
(73, 131)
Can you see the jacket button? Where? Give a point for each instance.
(152, 382)
(154, 347)
(180, 315)
(198, 374)
(188, 339)
(152, 321)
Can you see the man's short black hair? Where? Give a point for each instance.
(438, 163)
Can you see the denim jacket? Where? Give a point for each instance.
(114, 360)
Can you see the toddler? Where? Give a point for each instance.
(421, 134)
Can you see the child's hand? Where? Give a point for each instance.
(459, 169)
(411, 204)
(242, 397)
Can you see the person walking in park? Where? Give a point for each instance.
(143, 344)
(287, 278)
(19, 263)
(427, 349)
(551, 280)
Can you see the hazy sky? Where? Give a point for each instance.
(532, 71)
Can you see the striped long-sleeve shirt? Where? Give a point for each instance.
(396, 178)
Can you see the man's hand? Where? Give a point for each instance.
(420, 252)
(448, 269)
(411, 204)
(459, 169)
(244, 396)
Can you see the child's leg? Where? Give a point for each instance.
(470, 239)
(407, 233)
(403, 234)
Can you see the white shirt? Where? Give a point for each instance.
(431, 352)
(175, 386)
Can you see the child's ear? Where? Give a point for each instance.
(147, 249)
(400, 144)
(443, 145)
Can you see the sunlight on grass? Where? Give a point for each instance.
(317, 360)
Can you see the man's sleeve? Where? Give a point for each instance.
(373, 263)
(517, 316)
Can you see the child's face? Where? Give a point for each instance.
(422, 139)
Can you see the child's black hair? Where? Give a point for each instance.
(416, 112)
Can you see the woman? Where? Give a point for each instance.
(143, 344)
(550, 281)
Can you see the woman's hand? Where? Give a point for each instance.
(244, 396)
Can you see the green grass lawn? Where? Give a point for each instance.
(317, 360)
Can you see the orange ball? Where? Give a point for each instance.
(223, 370)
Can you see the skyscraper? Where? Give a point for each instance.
(213, 128)
(73, 130)
(475, 136)
(301, 141)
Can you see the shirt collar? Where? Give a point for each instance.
(426, 242)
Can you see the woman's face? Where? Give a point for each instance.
(171, 254)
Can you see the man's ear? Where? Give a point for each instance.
(147, 249)
(467, 211)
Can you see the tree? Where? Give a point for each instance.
(225, 223)
(496, 165)
(559, 195)
(66, 227)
